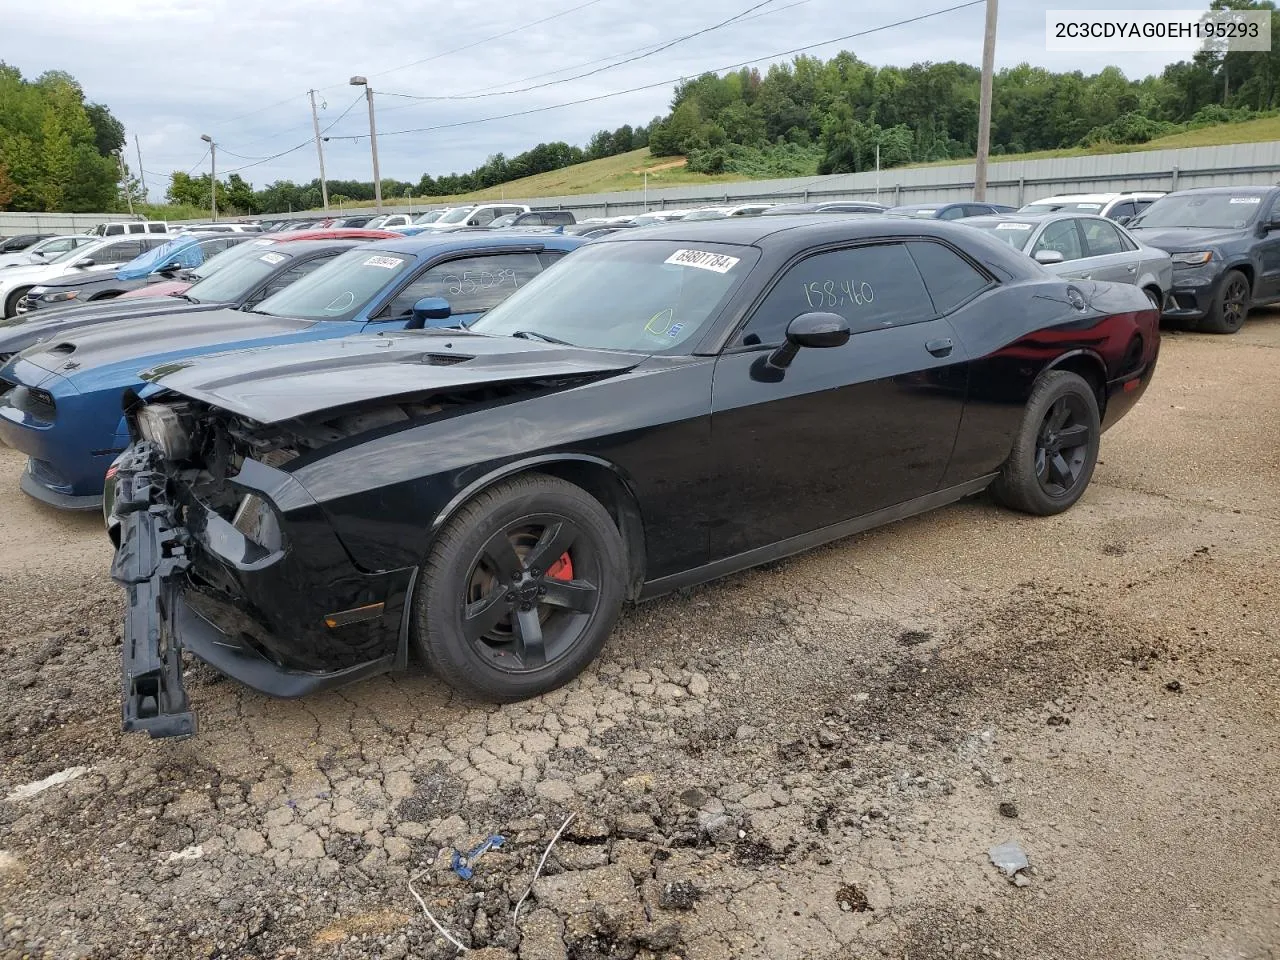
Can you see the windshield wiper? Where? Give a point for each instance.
(545, 338)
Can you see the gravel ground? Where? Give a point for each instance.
(809, 760)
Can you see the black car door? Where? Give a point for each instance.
(1268, 252)
(847, 430)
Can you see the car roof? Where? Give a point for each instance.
(1258, 191)
(307, 246)
(327, 233)
(426, 244)
(1096, 197)
(800, 227)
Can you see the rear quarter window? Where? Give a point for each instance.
(950, 279)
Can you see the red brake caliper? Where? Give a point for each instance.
(562, 569)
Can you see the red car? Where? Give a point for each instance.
(174, 287)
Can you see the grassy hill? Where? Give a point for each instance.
(626, 170)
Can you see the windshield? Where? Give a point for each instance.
(431, 217)
(705, 215)
(924, 213)
(228, 286)
(229, 257)
(340, 289)
(455, 216)
(1221, 210)
(1075, 206)
(1013, 232)
(636, 295)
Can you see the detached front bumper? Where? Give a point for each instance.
(286, 624)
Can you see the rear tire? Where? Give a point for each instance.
(1230, 306)
(1056, 448)
(521, 589)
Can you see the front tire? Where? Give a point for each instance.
(1056, 448)
(1230, 306)
(521, 589)
(11, 304)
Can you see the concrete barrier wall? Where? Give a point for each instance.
(1013, 182)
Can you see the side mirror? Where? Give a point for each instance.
(427, 309)
(1123, 221)
(86, 262)
(1048, 257)
(170, 267)
(1273, 225)
(815, 330)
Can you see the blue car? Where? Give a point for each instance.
(60, 400)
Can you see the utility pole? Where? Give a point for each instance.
(141, 173)
(213, 175)
(124, 179)
(315, 124)
(373, 141)
(984, 105)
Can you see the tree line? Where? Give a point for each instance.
(57, 150)
(798, 118)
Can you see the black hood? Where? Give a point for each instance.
(272, 384)
(26, 329)
(1184, 239)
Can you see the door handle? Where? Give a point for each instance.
(939, 348)
(1132, 268)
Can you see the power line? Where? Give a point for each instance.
(622, 53)
(197, 163)
(663, 83)
(496, 36)
(590, 73)
(306, 143)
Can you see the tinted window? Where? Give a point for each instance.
(471, 284)
(1061, 236)
(872, 287)
(952, 213)
(950, 279)
(137, 228)
(1124, 208)
(118, 252)
(1101, 237)
(483, 217)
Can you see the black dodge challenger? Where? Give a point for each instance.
(661, 408)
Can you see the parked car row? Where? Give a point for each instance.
(332, 447)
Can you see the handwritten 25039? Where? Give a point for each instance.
(473, 282)
(842, 293)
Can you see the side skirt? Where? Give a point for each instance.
(815, 538)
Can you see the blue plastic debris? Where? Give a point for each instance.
(464, 866)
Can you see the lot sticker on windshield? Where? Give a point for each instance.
(387, 263)
(272, 258)
(703, 260)
(1088, 206)
(1245, 200)
(263, 243)
(1013, 226)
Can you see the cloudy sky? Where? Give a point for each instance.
(239, 70)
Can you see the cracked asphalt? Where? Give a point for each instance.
(807, 760)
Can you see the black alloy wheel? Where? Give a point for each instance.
(1231, 306)
(520, 590)
(1062, 446)
(1056, 447)
(531, 593)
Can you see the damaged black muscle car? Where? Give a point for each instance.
(659, 409)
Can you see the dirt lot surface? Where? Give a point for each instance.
(810, 760)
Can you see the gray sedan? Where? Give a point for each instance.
(1084, 247)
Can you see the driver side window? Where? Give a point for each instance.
(873, 287)
(1063, 237)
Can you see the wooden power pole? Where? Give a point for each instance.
(984, 105)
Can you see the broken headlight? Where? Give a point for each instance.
(161, 425)
(258, 522)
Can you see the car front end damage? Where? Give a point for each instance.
(224, 554)
(1197, 275)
